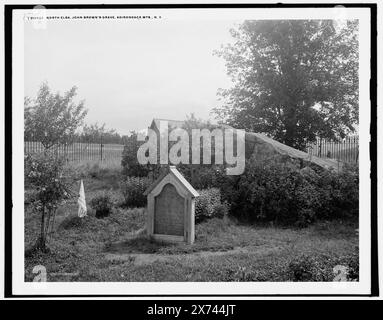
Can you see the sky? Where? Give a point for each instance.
(130, 71)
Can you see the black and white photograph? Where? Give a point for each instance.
(203, 150)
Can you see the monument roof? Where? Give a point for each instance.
(178, 176)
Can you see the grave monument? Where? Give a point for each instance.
(171, 204)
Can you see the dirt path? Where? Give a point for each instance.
(148, 258)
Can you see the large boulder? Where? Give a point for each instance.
(259, 147)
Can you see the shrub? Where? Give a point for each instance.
(322, 267)
(133, 189)
(337, 192)
(288, 195)
(51, 180)
(205, 176)
(221, 210)
(71, 221)
(208, 205)
(353, 267)
(129, 162)
(308, 268)
(94, 170)
(341, 192)
(102, 203)
(272, 192)
(351, 261)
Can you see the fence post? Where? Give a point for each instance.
(101, 149)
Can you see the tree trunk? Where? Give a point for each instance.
(290, 135)
(290, 126)
(41, 243)
(42, 223)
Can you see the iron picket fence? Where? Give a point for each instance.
(346, 150)
(81, 151)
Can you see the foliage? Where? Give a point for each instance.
(208, 205)
(47, 175)
(95, 133)
(133, 189)
(338, 192)
(95, 171)
(129, 162)
(288, 195)
(72, 221)
(321, 267)
(345, 191)
(224, 250)
(308, 268)
(102, 203)
(294, 79)
(352, 263)
(271, 192)
(52, 118)
(203, 176)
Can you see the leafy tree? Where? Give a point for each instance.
(293, 79)
(52, 118)
(50, 180)
(97, 133)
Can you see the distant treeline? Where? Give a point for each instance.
(93, 133)
(99, 134)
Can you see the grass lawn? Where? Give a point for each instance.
(115, 248)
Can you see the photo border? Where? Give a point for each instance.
(8, 10)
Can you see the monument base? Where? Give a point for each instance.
(167, 238)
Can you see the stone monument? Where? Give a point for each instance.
(171, 204)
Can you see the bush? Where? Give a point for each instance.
(352, 262)
(205, 176)
(46, 173)
(288, 195)
(129, 162)
(322, 267)
(102, 203)
(208, 205)
(340, 192)
(307, 268)
(133, 189)
(94, 170)
(272, 192)
(72, 221)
